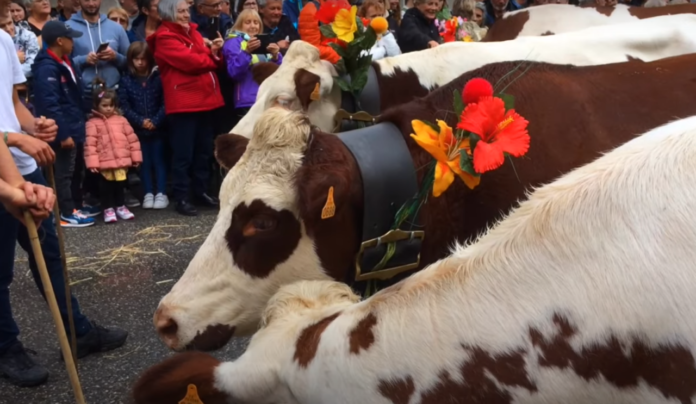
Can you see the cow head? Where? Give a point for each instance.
(269, 231)
(303, 82)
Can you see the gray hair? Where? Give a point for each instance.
(167, 9)
(481, 6)
(262, 3)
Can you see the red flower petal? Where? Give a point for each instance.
(514, 139)
(487, 157)
(327, 11)
(475, 89)
(483, 117)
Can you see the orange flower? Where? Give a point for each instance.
(380, 25)
(443, 146)
(308, 28)
(500, 132)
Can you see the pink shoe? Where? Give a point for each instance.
(110, 216)
(123, 213)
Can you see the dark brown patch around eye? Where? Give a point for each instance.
(261, 237)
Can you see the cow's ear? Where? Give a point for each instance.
(326, 165)
(229, 149)
(307, 87)
(262, 71)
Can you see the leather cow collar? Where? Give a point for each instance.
(369, 101)
(389, 181)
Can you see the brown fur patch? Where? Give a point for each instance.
(261, 71)
(308, 342)
(229, 148)
(670, 368)
(398, 391)
(507, 28)
(275, 237)
(642, 12)
(166, 382)
(362, 337)
(605, 10)
(398, 88)
(305, 82)
(212, 338)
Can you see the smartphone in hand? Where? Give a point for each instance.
(102, 47)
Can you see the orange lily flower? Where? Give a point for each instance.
(500, 132)
(444, 147)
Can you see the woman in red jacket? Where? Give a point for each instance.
(191, 91)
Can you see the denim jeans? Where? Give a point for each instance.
(153, 160)
(13, 232)
(192, 149)
(63, 170)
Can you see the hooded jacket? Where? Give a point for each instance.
(93, 35)
(239, 64)
(57, 96)
(111, 143)
(142, 100)
(187, 68)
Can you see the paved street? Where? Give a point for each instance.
(119, 274)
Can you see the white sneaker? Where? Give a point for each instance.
(161, 201)
(123, 213)
(148, 201)
(110, 216)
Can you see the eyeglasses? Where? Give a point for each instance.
(118, 19)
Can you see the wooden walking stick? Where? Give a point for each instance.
(53, 305)
(63, 259)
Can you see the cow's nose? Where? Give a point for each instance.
(166, 327)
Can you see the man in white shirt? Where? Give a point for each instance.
(27, 151)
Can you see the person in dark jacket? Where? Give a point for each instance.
(418, 30)
(208, 12)
(58, 95)
(142, 102)
(277, 25)
(146, 23)
(496, 8)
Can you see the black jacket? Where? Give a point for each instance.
(416, 31)
(285, 29)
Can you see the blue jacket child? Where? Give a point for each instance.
(239, 64)
(142, 98)
(58, 94)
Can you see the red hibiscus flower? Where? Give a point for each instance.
(500, 132)
(327, 11)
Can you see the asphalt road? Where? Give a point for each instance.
(119, 273)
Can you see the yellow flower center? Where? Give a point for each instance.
(505, 123)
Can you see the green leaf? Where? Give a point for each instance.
(364, 62)
(473, 140)
(343, 84)
(359, 79)
(466, 163)
(338, 48)
(458, 103)
(340, 66)
(370, 37)
(327, 31)
(361, 27)
(508, 100)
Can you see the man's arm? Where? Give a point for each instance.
(36, 145)
(8, 170)
(26, 119)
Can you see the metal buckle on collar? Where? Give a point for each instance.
(391, 236)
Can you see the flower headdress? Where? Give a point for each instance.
(344, 39)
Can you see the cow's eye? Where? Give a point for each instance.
(259, 224)
(283, 101)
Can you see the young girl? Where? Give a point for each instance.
(110, 149)
(142, 102)
(241, 52)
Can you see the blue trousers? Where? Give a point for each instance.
(191, 139)
(153, 160)
(13, 232)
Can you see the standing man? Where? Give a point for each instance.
(277, 25)
(131, 7)
(27, 151)
(210, 19)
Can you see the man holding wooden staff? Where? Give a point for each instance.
(22, 186)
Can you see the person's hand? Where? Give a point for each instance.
(45, 129)
(432, 44)
(253, 44)
(147, 124)
(37, 149)
(273, 49)
(216, 44)
(94, 170)
(207, 42)
(22, 57)
(37, 199)
(67, 143)
(108, 54)
(92, 58)
(283, 44)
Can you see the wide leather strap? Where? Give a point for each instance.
(369, 100)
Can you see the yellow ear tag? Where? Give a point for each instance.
(191, 396)
(329, 209)
(315, 94)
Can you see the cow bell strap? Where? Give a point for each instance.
(368, 102)
(389, 181)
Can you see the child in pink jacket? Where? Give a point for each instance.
(111, 148)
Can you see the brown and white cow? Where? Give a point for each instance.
(403, 78)
(552, 19)
(269, 231)
(582, 295)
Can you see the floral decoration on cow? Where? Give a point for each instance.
(488, 130)
(343, 38)
(453, 30)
